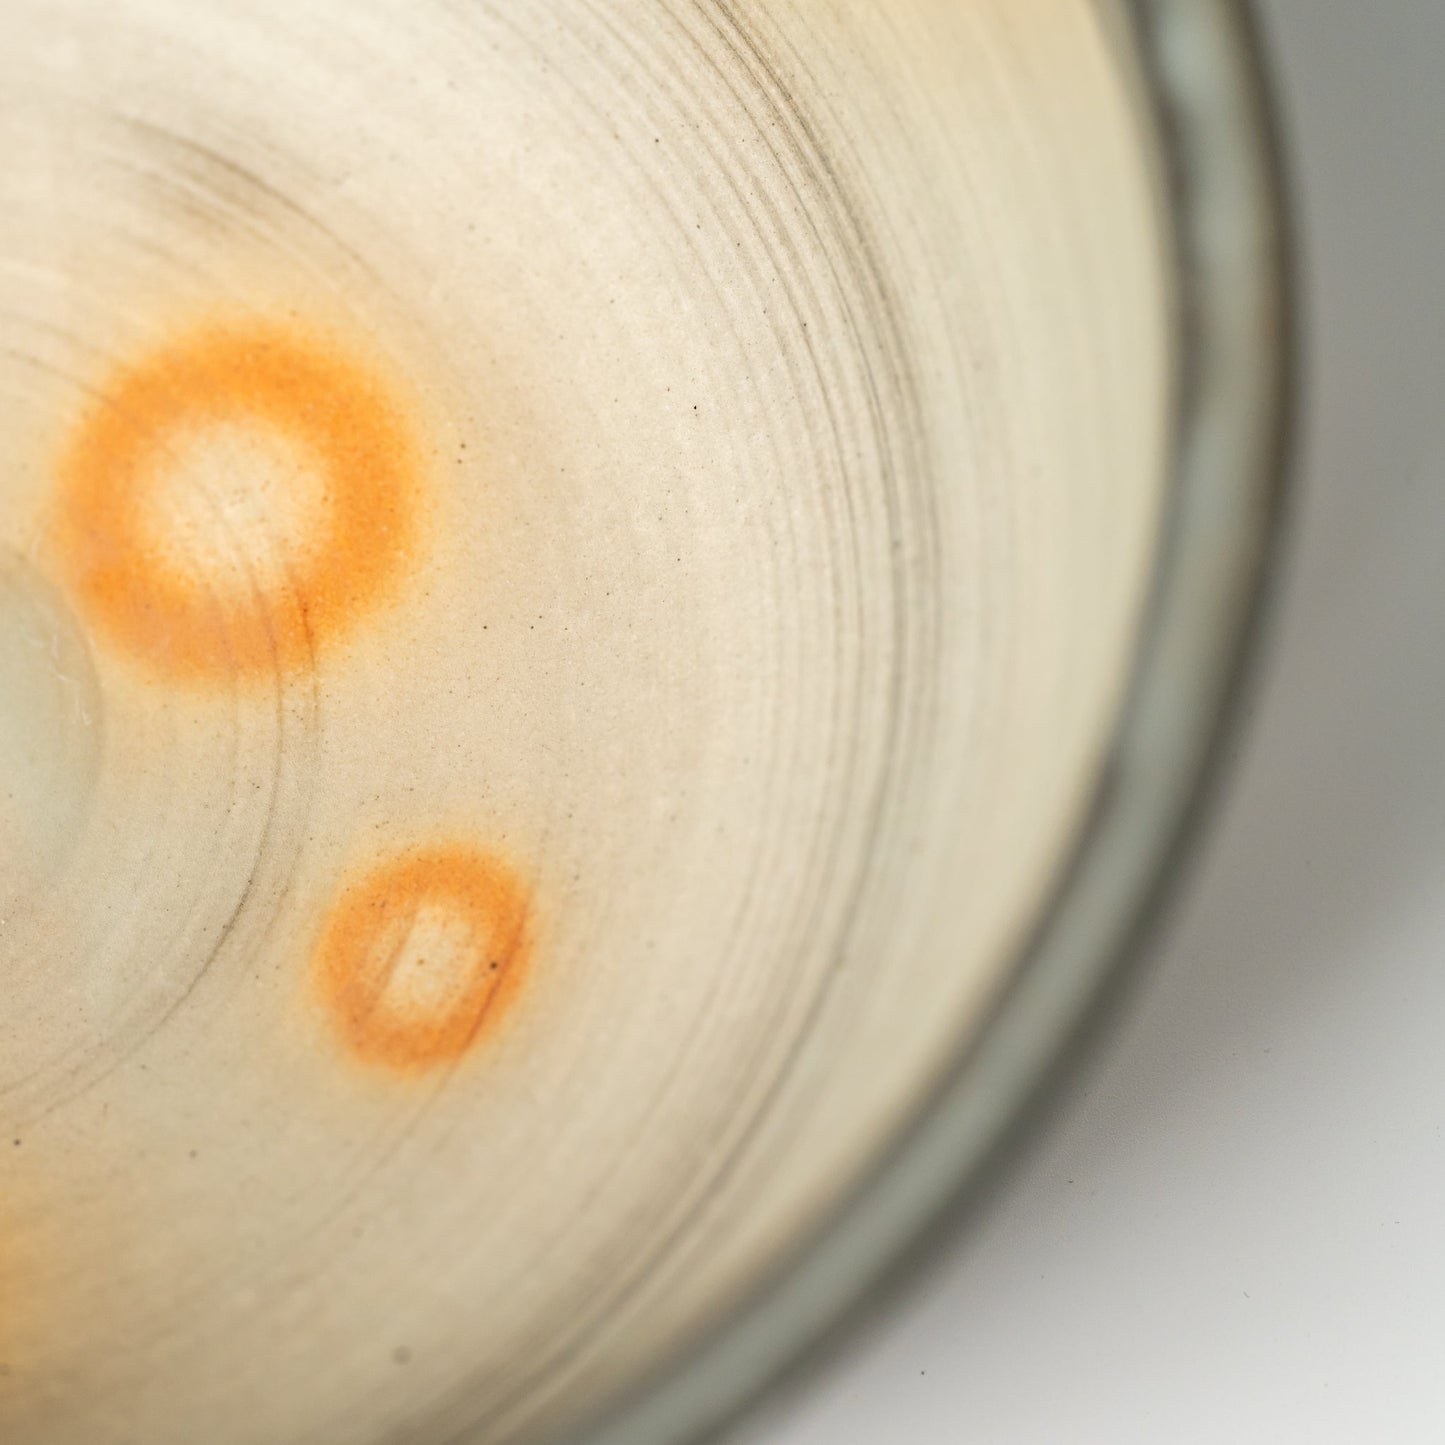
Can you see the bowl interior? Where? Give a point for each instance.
(565, 575)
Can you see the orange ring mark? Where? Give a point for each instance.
(423, 955)
(162, 602)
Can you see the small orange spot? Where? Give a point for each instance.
(234, 500)
(423, 954)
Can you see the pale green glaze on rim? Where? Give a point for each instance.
(1201, 62)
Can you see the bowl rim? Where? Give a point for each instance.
(1207, 98)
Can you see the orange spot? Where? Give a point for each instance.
(421, 956)
(234, 500)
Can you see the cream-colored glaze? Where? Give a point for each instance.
(789, 384)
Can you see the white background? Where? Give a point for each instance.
(1235, 1229)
